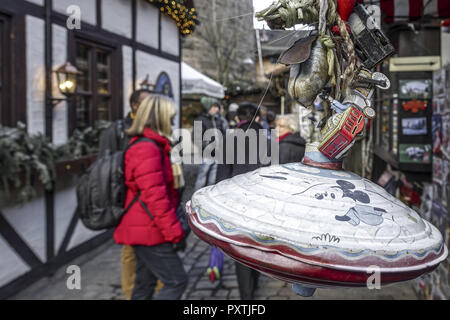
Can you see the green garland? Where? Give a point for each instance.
(185, 18)
(22, 153)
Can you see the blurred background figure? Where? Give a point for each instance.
(263, 120)
(223, 119)
(271, 119)
(292, 145)
(248, 119)
(210, 119)
(114, 138)
(231, 115)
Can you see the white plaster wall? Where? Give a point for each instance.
(81, 235)
(65, 205)
(60, 112)
(29, 222)
(127, 54)
(116, 17)
(88, 8)
(153, 66)
(170, 38)
(147, 24)
(38, 2)
(35, 52)
(11, 265)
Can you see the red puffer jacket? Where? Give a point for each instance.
(146, 172)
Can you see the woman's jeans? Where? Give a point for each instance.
(158, 262)
(206, 174)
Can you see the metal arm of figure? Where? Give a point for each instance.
(315, 64)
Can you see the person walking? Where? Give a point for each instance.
(231, 114)
(208, 119)
(112, 140)
(247, 119)
(291, 144)
(151, 225)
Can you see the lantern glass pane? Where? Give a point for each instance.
(72, 79)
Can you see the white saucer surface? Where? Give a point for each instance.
(317, 211)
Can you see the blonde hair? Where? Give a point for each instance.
(288, 121)
(155, 112)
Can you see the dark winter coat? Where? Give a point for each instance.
(226, 171)
(114, 138)
(292, 148)
(147, 173)
(210, 122)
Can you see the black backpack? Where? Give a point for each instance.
(101, 191)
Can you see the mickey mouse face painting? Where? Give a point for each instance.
(360, 212)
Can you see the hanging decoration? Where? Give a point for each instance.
(313, 224)
(184, 16)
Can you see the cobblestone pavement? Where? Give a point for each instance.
(100, 277)
(100, 280)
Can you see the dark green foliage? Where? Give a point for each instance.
(25, 156)
(82, 143)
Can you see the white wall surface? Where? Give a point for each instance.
(11, 265)
(81, 235)
(147, 24)
(88, 8)
(169, 36)
(35, 55)
(127, 54)
(29, 222)
(65, 204)
(153, 66)
(38, 2)
(117, 17)
(60, 112)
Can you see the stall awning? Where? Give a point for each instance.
(194, 82)
(410, 10)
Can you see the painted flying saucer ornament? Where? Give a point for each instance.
(315, 227)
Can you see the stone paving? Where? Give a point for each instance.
(100, 277)
(100, 280)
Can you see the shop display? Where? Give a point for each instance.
(415, 89)
(439, 82)
(437, 285)
(437, 134)
(414, 106)
(394, 126)
(445, 145)
(439, 105)
(415, 153)
(313, 224)
(414, 126)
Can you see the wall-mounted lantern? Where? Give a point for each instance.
(67, 79)
(66, 76)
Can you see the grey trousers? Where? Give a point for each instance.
(247, 280)
(158, 262)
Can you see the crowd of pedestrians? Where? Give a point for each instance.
(151, 232)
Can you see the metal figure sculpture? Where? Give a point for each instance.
(334, 61)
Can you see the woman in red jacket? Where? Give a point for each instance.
(151, 225)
